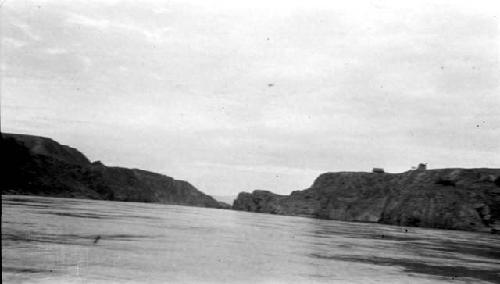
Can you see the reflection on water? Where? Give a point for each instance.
(71, 240)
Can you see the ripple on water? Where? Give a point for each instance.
(100, 240)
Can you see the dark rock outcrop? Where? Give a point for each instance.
(465, 199)
(40, 166)
(260, 201)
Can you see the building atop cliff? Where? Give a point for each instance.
(422, 167)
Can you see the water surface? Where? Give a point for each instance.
(55, 240)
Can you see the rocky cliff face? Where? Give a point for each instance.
(41, 166)
(466, 199)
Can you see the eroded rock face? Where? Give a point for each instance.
(466, 199)
(41, 166)
(259, 201)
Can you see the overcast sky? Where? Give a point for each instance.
(235, 96)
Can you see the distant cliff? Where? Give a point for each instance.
(465, 199)
(40, 166)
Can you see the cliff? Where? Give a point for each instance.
(40, 166)
(465, 199)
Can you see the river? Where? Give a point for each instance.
(59, 240)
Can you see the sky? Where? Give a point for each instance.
(242, 95)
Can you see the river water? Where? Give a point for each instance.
(58, 240)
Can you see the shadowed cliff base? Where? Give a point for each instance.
(33, 165)
(461, 199)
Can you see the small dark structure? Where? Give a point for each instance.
(422, 167)
(378, 170)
